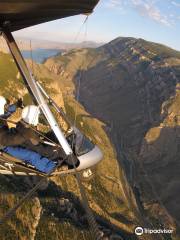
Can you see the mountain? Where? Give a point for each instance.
(57, 211)
(24, 44)
(28, 44)
(125, 96)
(132, 87)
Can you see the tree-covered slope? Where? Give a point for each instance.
(132, 86)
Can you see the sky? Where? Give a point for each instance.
(152, 20)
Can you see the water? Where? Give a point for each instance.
(40, 55)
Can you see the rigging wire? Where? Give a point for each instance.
(26, 197)
(80, 29)
(33, 129)
(81, 75)
(75, 118)
(78, 93)
(90, 216)
(76, 112)
(32, 60)
(97, 232)
(92, 222)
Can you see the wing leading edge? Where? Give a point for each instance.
(22, 14)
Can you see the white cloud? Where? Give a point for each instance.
(119, 5)
(114, 3)
(175, 4)
(148, 8)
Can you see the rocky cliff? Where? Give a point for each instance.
(132, 87)
(56, 212)
(125, 97)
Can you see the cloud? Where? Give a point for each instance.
(114, 3)
(119, 5)
(175, 4)
(148, 8)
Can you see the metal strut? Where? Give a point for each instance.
(37, 93)
(23, 199)
(53, 103)
(34, 90)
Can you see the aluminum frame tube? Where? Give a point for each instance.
(34, 90)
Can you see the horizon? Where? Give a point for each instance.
(72, 43)
(155, 21)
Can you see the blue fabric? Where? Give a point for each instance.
(11, 109)
(41, 163)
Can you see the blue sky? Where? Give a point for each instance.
(153, 20)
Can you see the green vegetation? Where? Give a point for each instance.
(108, 191)
(159, 49)
(10, 83)
(8, 232)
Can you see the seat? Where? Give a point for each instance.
(10, 158)
(19, 164)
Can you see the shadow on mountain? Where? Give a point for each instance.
(122, 103)
(120, 218)
(130, 104)
(159, 161)
(57, 205)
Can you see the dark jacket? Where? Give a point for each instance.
(7, 136)
(15, 137)
(32, 141)
(25, 137)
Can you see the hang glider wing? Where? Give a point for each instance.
(26, 13)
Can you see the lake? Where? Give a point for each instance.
(39, 55)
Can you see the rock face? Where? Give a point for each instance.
(132, 86)
(128, 92)
(56, 212)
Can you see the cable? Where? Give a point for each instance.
(92, 223)
(90, 217)
(32, 60)
(35, 130)
(26, 197)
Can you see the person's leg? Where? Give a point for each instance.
(72, 161)
(50, 152)
(41, 163)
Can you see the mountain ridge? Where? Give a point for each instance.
(128, 104)
(28, 44)
(131, 85)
